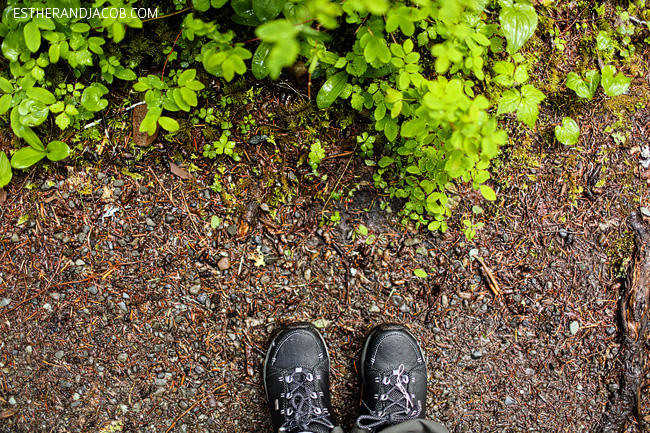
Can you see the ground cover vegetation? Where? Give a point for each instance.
(432, 76)
(142, 277)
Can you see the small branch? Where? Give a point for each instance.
(492, 281)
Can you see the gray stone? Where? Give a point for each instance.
(645, 211)
(118, 183)
(4, 302)
(92, 290)
(150, 222)
(123, 307)
(15, 238)
(232, 230)
(374, 308)
(169, 218)
(117, 192)
(574, 327)
(195, 289)
(12, 401)
(411, 242)
(29, 349)
(160, 382)
(265, 279)
(122, 357)
(59, 354)
(509, 401)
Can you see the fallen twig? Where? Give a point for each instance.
(492, 281)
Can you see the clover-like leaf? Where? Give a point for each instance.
(584, 88)
(569, 133)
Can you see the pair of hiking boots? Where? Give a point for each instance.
(296, 378)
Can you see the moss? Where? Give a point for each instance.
(619, 253)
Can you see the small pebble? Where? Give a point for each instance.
(195, 289)
(4, 302)
(574, 327)
(645, 211)
(118, 183)
(122, 357)
(170, 218)
(150, 222)
(509, 401)
(232, 230)
(223, 263)
(374, 308)
(29, 349)
(265, 279)
(59, 354)
(15, 238)
(12, 401)
(265, 207)
(123, 307)
(92, 290)
(144, 189)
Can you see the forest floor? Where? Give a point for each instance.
(124, 304)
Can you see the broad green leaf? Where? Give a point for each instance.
(614, 84)
(488, 193)
(276, 31)
(187, 76)
(31, 138)
(177, 96)
(57, 150)
(331, 90)
(259, 64)
(215, 221)
(189, 96)
(518, 21)
(54, 52)
(385, 161)
(32, 36)
(201, 5)
(41, 94)
(362, 230)
(5, 170)
(603, 41)
(125, 74)
(5, 103)
(584, 88)
(168, 123)
(267, 9)
(6, 86)
(569, 133)
(420, 273)
(91, 99)
(26, 157)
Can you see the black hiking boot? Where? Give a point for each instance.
(296, 379)
(393, 378)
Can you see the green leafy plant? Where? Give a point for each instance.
(614, 84)
(584, 88)
(223, 146)
(316, 154)
(568, 133)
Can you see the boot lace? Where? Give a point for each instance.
(303, 408)
(394, 404)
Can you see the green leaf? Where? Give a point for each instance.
(614, 84)
(26, 157)
(189, 96)
(603, 41)
(584, 88)
(569, 133)
(362, 230)
(518, 21)
(5, 104)
(41, 94)
(57, 150)
(276, 31)
(267, 9)
(385, 161)
(420, 273)
(488, 193)
(32, 36)
(187, 76)
(31, 138)
(54, 52)
(5, 170)
(91, 99)
(201, 5)
(215, 221)
(62, 120)
(6, 86)
(331, 90)
(259, 65)
(125, 74)
(168, 123)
